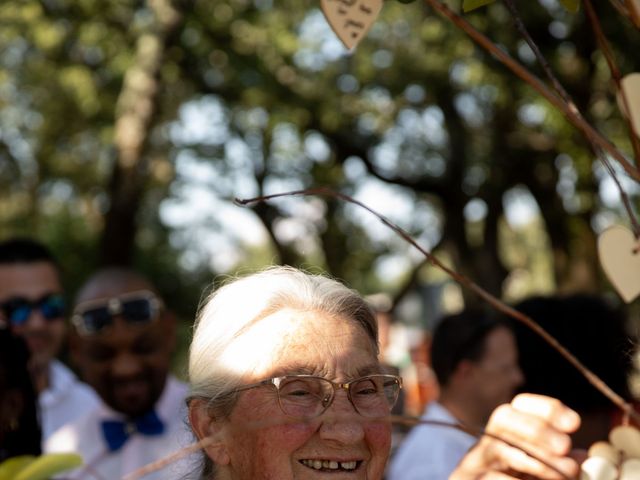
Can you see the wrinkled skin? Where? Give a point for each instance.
(258, 441)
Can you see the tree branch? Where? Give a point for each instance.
(464, 281)
(536, 84)
(570, 104)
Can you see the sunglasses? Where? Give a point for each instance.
(136, 308)
(17, 310)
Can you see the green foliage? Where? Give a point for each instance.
(571, 5)
(418, 112)
(43, 467)
(469, 5)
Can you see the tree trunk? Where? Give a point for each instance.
(136, 107)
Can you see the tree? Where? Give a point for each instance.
(417, 112)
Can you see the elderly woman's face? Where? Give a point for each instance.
(261, 442)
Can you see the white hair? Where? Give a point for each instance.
(237, 306)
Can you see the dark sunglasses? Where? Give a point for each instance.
(94, 316)
(18, 309)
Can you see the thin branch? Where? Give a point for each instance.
(619, 6)
(394, 419)
(625, 199)
(536, 84)
(174, 457)
(540, 57)
(633, 11)
(564, 95)
(475, 432)
(90, 467)
(495, 302)
(615, 74)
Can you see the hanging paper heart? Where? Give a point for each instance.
(351, 19)
(630, 85)
(620, 259)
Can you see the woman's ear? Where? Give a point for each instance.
(204, 425)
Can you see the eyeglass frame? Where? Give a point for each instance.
(114, 308)
(275, 382)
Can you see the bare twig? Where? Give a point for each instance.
(615, 74)
(475, 432)
(520, 26)
(633, 11)
(570, 104)
(625, 199)
(90, 467)
(495, 302)
(396, 419)
(174, 457)
(536, 84)
(619, 6)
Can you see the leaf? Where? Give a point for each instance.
(10, 467)
(572, 5)
(48, 465)
(469, 5)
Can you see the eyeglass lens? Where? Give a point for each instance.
(133, 311)
(372, 396)
(18, 310)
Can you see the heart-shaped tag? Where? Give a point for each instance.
(619, 253)
(351, 19)
(630, 85)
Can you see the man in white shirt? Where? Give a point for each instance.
(475, 359)
(122, 342)
(32, 305)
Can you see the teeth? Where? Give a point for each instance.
(330, 464)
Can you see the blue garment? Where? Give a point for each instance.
(116, 433)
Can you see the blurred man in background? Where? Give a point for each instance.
(475, 359)
(595, 332)
(122, 341)
(32, 306)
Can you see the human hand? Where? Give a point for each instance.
(533, 423)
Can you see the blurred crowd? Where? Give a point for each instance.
(93, 376)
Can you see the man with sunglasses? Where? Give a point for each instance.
(122, 341)
(32, 306)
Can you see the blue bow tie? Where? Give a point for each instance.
(116, 433)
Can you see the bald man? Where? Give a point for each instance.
(122, 342)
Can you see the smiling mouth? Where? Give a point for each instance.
(332, 465)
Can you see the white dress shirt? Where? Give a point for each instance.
(85, 437)
(65, 399)
(430, 452)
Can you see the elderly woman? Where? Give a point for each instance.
(287, 384)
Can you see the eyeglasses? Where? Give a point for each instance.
(93, 316)
(307, 396)
(18, 309)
